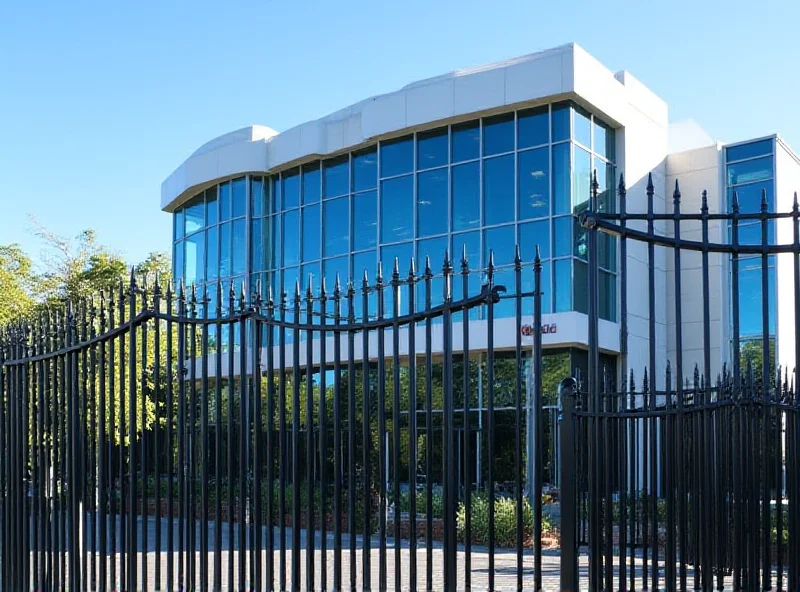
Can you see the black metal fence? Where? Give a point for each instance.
(155, 443)
(690, 480)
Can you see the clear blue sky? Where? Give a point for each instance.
(100, 101)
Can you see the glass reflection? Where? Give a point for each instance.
(582, 126)
(397, 157)
(465, 142)
(290, 189)
(749, 171)
(531, 235)
(466, 196)
(498, 134)
(432, 149)
(225, 250)
(311, 233)
(563, 285)
(194, 258)
(500, 241)
(560, 122)
(337, 178)
(212, 215)
(534, 183)
(561, 179)
(337, 226)
(397, 209)
(239, 197)
(365, 170)
(533, 128)
(750, 197)
(562, 231)
(365, 220)
(257, 197)
(225, 201)
(432, 202)
(581, 178)
(239, 246)
(291, 238)
(257, 245)
(751, 150)
(498, 190)
(212, 253)
(311, 183)
(194, 214)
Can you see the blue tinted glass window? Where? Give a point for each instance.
(582, 126)
(366, 261)
(239, 197)
(365, 220)
(751, 150)
(561, 179)
(239, 246)
(750, 171)
(502, 242)
(310, 276)
(750, 197)
(290, 189)
(289, 284)
(507, 306)
(750, 234)
(432, 202)
(563, 285)
(225, 250)
(276, 204)
(365, 170)
(178, 263)
(465, 142)
(498, 190)
(336, 222)
(225, 201)
(435, 249)
(560, 122)
(432, 148)
(337, 176)
(332, 267)
(533, 127)
(257, 245)
(291, 238)
(750, 298)
(274, 243)
(466, 196)
(178, 225)
(397, 209)
(581, 178)
(534, 183)
(311, 233)
(194, 214)
(257, 197)
(472, 241)
(212, 253)
(397, 157)
(498, 134)
(531, 235)
(403, 254)
(311, 183)
(607, 197)
(580, 287)
(580, 247)
(604, 140)
(212, 214)
(528, 285)
(608, 296)
(607, 251)
(195, 260)
(562, 232)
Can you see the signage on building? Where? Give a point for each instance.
(547, 329)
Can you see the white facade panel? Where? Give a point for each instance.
(787, 183)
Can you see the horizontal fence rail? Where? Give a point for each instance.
(180, 441)
(690, 480)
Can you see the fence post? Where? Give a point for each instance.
(567, 495)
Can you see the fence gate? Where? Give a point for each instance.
(157, 439)
(686, 474)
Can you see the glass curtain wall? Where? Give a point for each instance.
(750, 171)
(480, 186)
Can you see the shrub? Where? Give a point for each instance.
(505, 520)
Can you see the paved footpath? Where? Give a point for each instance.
(506, 567)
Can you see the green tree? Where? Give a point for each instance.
(17, 283)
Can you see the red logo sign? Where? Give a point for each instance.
(547, 329)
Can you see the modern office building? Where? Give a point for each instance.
(484, 158)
